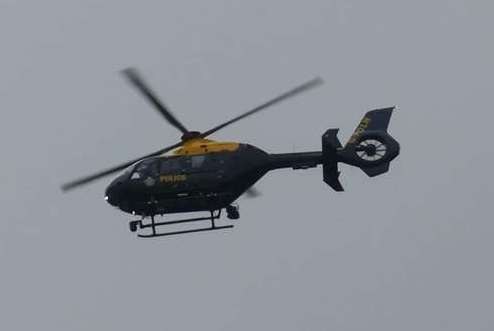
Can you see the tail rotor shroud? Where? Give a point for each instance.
(370, 148)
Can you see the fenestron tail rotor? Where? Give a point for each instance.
(371, 150)
(137, 81)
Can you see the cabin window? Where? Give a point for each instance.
(145, 169)
(197, 161)
(169, 165)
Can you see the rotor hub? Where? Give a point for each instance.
(370, 150)
(189, 135)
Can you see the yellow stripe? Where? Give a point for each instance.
(205, 146)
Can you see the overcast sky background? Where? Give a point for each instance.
(409, 250)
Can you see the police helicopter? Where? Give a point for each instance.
(198, 174)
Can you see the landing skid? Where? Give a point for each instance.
(153, 225)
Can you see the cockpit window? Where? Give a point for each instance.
(129, 169)
(169, 165)
(146, 168)
(197, 161)
(184, 164)
(193, 163)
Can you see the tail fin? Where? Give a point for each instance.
(370, 147)
(374, 120)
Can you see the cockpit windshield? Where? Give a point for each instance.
(129, 169)
(145, 168)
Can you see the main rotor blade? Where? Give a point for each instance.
(134, 77)
(252, 192)
(85, 180)
(293, 92)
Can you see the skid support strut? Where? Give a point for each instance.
(134, 225)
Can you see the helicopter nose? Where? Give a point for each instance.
(114, 193)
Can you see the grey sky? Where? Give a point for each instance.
(410, 250)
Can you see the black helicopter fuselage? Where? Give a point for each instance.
(201, 182)
(207, 175)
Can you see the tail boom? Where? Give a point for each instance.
(370, 148)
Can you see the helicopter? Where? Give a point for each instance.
(204, 175)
